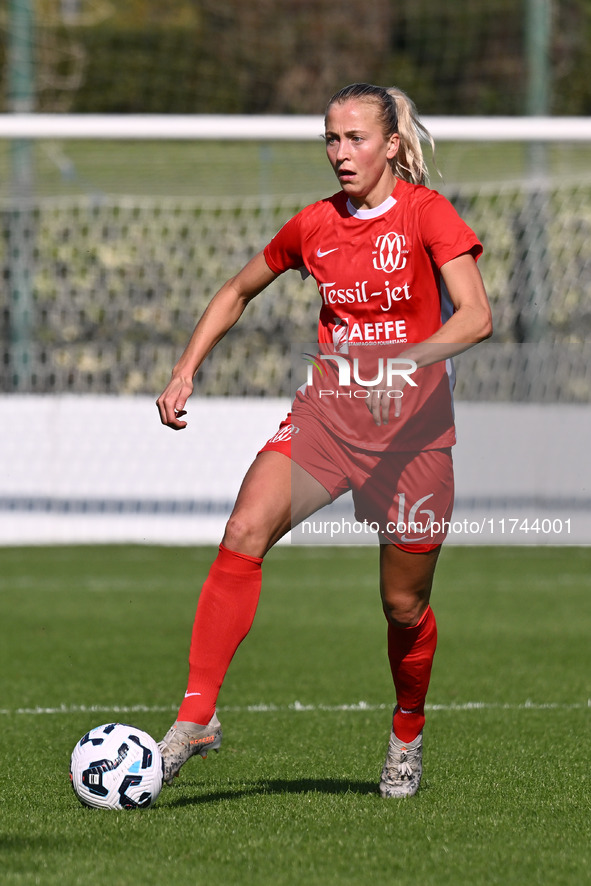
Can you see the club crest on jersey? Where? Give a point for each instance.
(390, 254)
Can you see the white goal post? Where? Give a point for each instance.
(276, 128)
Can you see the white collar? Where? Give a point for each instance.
(388, 203)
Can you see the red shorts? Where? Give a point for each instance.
(407, 497)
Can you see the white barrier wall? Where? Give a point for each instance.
(103, 469)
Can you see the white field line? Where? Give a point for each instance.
(295, 707)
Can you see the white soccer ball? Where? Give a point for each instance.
(116, 766)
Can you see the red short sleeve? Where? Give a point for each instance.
(284, 252)
(444, 233)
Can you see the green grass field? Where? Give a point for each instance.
(249, 168)
(292, 797)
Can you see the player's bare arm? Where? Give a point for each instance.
(223, 311)
(470, 323)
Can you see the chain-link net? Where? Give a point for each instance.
(103, 292)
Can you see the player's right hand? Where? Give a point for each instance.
(171, 402)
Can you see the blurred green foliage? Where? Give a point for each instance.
(227, 56)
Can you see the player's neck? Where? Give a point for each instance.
(367, 214)
(377, 197)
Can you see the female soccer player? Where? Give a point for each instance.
(400, 293)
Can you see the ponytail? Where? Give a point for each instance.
(397, 114)
(409, 161)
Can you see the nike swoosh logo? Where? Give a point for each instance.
(403, 538)
(321, 254)
(187, 694)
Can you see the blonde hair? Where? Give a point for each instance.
(397, 114)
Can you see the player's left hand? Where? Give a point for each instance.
(171, 402)
(384, 404)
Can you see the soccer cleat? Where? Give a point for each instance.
(401, 775)
(183, 740)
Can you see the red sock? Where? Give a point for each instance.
(224, 616)
(411, 651)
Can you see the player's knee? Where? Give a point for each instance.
(245, 535)
(404, 611)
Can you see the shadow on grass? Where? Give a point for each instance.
(278, 786)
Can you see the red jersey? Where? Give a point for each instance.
(377, 273)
